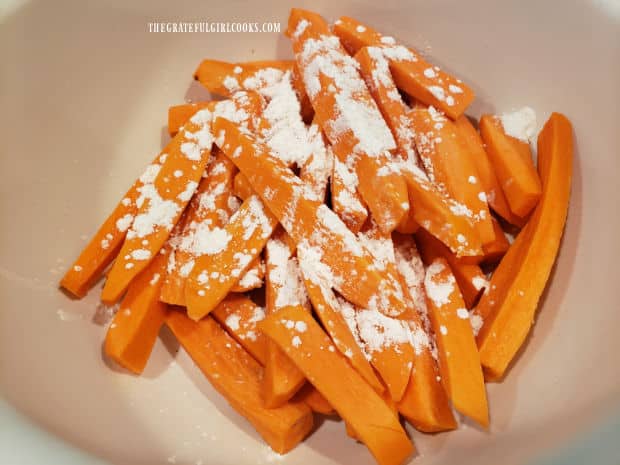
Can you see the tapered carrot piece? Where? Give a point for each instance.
(283, 287)
(449, 165)
(314, 399)
(494, 251)
(242, 187)
(331, 314)
(236, 375)
(459, 361)
(210, 208)
(339, 95)
(178, 115)
(414, 75)
(107, 241)
(308, 346)
(346, 201)
(240, 317)
(432, 211)
(512, 161)
(306, 219)
(425, 403)
(228, 253)
(134, 329)
(319, 166)
(509, 307)
(252, 278)
(486, 174)
(469, 277)
(389, 402)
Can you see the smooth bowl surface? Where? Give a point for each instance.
(85, 90)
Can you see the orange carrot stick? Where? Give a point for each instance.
(240, 317)
(486, 174)
(135, 327)
(252, 278)
(339, 95)
(459, 362)
(228, 253)
(314, 399)
(306, 219)
(449, 165)
(494, 251)
(308, 346)
(414, 75)
(469, 277)
(319, 166)
(346, 201)
(236, 375)
(178, 115)
(512, 161)
(508, 308)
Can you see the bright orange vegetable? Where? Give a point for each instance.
(178, 115)
(237, 376)
(135, 327)
(314, 399)
(512, 161)
(240, 317)
(459, 362)
(252, 278)
(495, 250)
(469, 277)
(486, 174)
(305, 219)
(346, 201)
(509, 307)
(449, 165)
(319, 166)
(376, 424)
(414, 75)
(363, 143)
(242, 187)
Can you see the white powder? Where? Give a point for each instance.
(443, 330)
(155, 279)
(296, 341)
(205, 240)
(187, 194)
(462, 313)
(388, 40)
(379, 331)
(177, 173)
(476, 323)
(437, 92)
(242, 260)
(284, 275)
(301, 27)
(479, 283)
(381, 248)
(231, 83)
(77, 268)
(238, 70)
(472, 180)
(123, 223)
(520, 124)
(430, 73)
(482, 196)
(141, 254)
(360, 28)
(455, 89)
(251, 278)
(438, 292)
(232, 321)
(301, 326)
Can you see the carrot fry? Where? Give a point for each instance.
(306, 219)
(414, 75)
(459, 361)
(512, 161)
(242, 187)
(240, 316)
(508, 308)
(210, 207)
(178, 115)
(346, 201)
(338, 95)
(469, 277)
(319, 166)
(252, 278)
(237, 376)
(228, 253)
(284, 287)
(390, 403)
(314, 399)
(134, 329)
(486, 174)
(308, 346)
(449, 165)
(495, 250)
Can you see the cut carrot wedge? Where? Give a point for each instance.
(509, 307)
(390, 403)
(469, 277)
(432, 211)
(252, 278)
(178, 115)
(449, 165)
(346, 201)
(412, 74)
(459, 361)
(308, 220)
(486, 174)
(236, 375)
(283, 287)
(495, 250)
(107, 241)
(319, 166)
(134, 329)
(314, 399)
(512, 161)
(242, 187)
(338, 94)
(308, 346)
(229, 251)
(240, 316)
(210, 208)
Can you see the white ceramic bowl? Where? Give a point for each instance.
(84, 92)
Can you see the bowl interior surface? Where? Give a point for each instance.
(85, 91)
